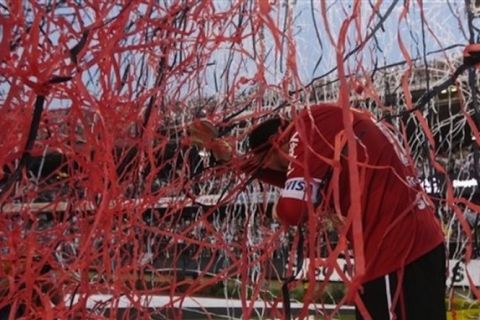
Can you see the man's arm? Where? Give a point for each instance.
(291, 212)
(293, 205)
(302, 185)
(204, 134)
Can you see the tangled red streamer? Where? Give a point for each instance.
(102, 192)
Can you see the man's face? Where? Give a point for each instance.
(276, 158)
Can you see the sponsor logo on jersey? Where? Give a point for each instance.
(292, 147)
(299, 188)
(395, 142)
(295, 185)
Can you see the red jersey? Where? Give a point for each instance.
(399, 224)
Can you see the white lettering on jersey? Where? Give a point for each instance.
(397, 146)
(422, 202)
(292, 146)
(298, 188)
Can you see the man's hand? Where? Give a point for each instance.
(471, 55)
(202, 132)
(221, 149)
(205, 135)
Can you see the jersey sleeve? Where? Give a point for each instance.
(310, 151)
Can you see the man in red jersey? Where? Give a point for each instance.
(402, 239)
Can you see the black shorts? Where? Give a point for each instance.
(423, 294)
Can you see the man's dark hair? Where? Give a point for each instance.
(259, 137)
